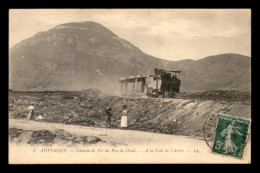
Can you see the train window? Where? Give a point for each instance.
(130, 80)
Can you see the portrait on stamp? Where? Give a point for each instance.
(230, 136)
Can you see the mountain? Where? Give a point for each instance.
(225, 71)
(81, 55)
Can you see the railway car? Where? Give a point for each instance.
(164, 83)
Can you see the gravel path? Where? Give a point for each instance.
(124, 146)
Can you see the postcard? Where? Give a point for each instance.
(132, 86)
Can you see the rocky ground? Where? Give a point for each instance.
(220, 95)
(48, 138)
(184, 115)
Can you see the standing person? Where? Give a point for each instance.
(30, 115)
(108, 115)
(124, 117)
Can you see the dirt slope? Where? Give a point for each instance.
(181, 116)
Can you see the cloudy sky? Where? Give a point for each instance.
(172, 34)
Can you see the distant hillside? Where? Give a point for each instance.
(225, 71)
(77, 56)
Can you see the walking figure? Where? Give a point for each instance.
(229, 145)
(108, 115)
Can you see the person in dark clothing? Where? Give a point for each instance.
(108, 115)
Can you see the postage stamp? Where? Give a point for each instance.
(230, 136)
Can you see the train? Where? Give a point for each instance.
(162, 84)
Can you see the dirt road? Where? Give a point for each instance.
(117, 146)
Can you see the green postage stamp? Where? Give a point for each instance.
(231, 136)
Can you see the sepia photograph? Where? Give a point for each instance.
(129, 86)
